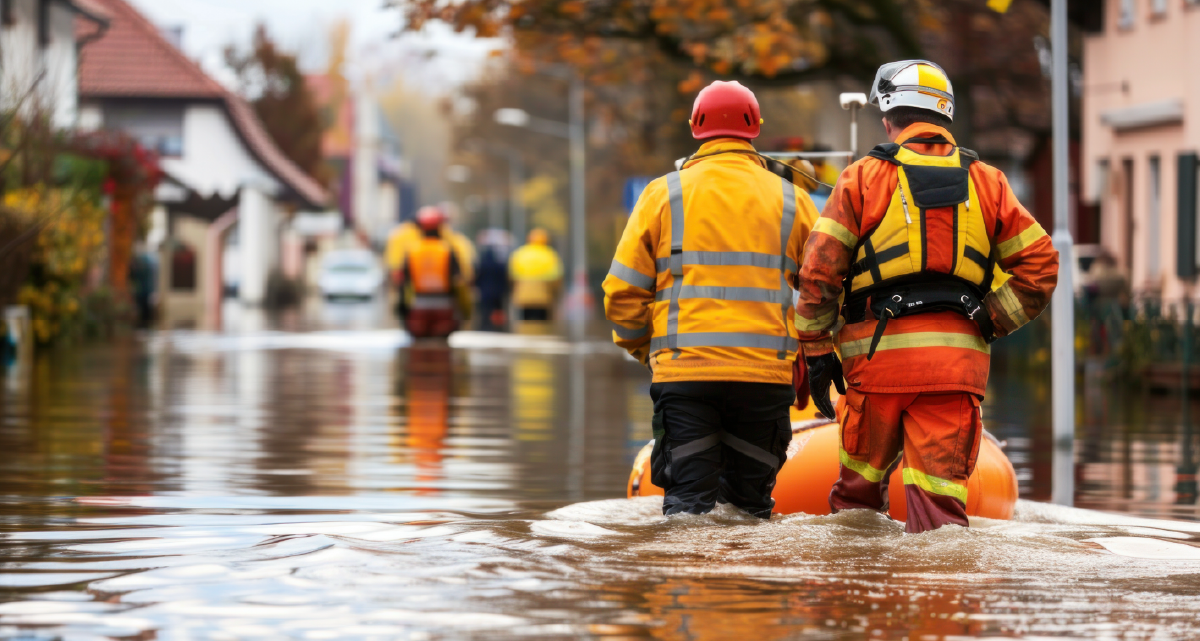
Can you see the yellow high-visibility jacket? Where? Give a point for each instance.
(701, 285)
(407, 236)
(536, 272)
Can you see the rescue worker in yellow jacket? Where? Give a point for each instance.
(701, 291)
(915, 232)
(536, 273)
(408, 234)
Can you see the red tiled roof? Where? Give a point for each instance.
(259, 141)
(133, 60)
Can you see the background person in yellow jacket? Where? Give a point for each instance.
(536, 273)
(701, 291)
(917, 229)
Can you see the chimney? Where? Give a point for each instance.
(173, 35)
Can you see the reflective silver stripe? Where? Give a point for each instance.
(730, 259)
(632, 276)
(626, 334)
(785, 234)
(744, 294)
(724, 339)
(675, 192)
(432, 301)
(695, 447)
(749, 449)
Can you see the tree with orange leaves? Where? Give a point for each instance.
(774, 40)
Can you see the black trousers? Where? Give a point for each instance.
(534, 314)
(719, 441)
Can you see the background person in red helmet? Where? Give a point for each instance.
(701, 291)
(431, 280)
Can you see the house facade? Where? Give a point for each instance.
(226, 183)
(1141, 135)
(39, 53)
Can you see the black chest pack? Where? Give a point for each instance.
(885, 291)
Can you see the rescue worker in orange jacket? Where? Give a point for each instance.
(915, 232)
(431, 280)
(701, 291)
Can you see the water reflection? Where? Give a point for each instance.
(343, 484)
(427, 380)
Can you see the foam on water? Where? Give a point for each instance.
(529, 573)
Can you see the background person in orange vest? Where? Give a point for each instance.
(917, 229)
(431, 280)
(700, 290)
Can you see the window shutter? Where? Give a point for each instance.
(1185, 262)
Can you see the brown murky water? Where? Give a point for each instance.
(346, 485)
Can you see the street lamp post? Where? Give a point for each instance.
(853, 102)
(1063, 303)
(579, 298)
(516, 177)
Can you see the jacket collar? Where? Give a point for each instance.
(720, 145)
(923, 130)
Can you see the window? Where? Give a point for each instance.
(1127, 214)
(1100, 185)
(1158, 8)
(6, 13)
(158, 128)
(183, 268)
(1154, 247)
(1127, 10)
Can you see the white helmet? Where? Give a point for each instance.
(913, 83)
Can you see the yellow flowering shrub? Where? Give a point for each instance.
(68, 247)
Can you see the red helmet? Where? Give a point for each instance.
(430, 218)
(725, 109)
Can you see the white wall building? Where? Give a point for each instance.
(1141, 135)
(38, 60)
(218, 159)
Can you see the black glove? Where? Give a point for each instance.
(823, 370)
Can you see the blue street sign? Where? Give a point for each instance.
(633, 190)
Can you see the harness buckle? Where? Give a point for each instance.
(967, 304)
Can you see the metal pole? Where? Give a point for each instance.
(495, 207)
(578, 297)
(1063, 305)
(1185, 473)
(516, 173)
(853, 133)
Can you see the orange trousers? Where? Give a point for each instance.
(937, 433)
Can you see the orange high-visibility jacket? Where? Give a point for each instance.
(938, 351)
(430, 267)
(701, 285)
(407, 235)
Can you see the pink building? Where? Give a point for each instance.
(1141, 134)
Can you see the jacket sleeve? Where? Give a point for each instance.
(806, 218)
(630, 284)
(827, 257)
(1024, 252)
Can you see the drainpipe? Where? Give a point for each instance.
(214, 247)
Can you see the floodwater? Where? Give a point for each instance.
(344, 484)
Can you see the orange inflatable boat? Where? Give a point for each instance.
(812, 468)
